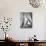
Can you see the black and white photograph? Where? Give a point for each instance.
(26, 20)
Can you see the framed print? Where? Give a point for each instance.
(26, 19)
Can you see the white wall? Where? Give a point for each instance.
(12, 8)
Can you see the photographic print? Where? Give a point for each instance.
(26, 19)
